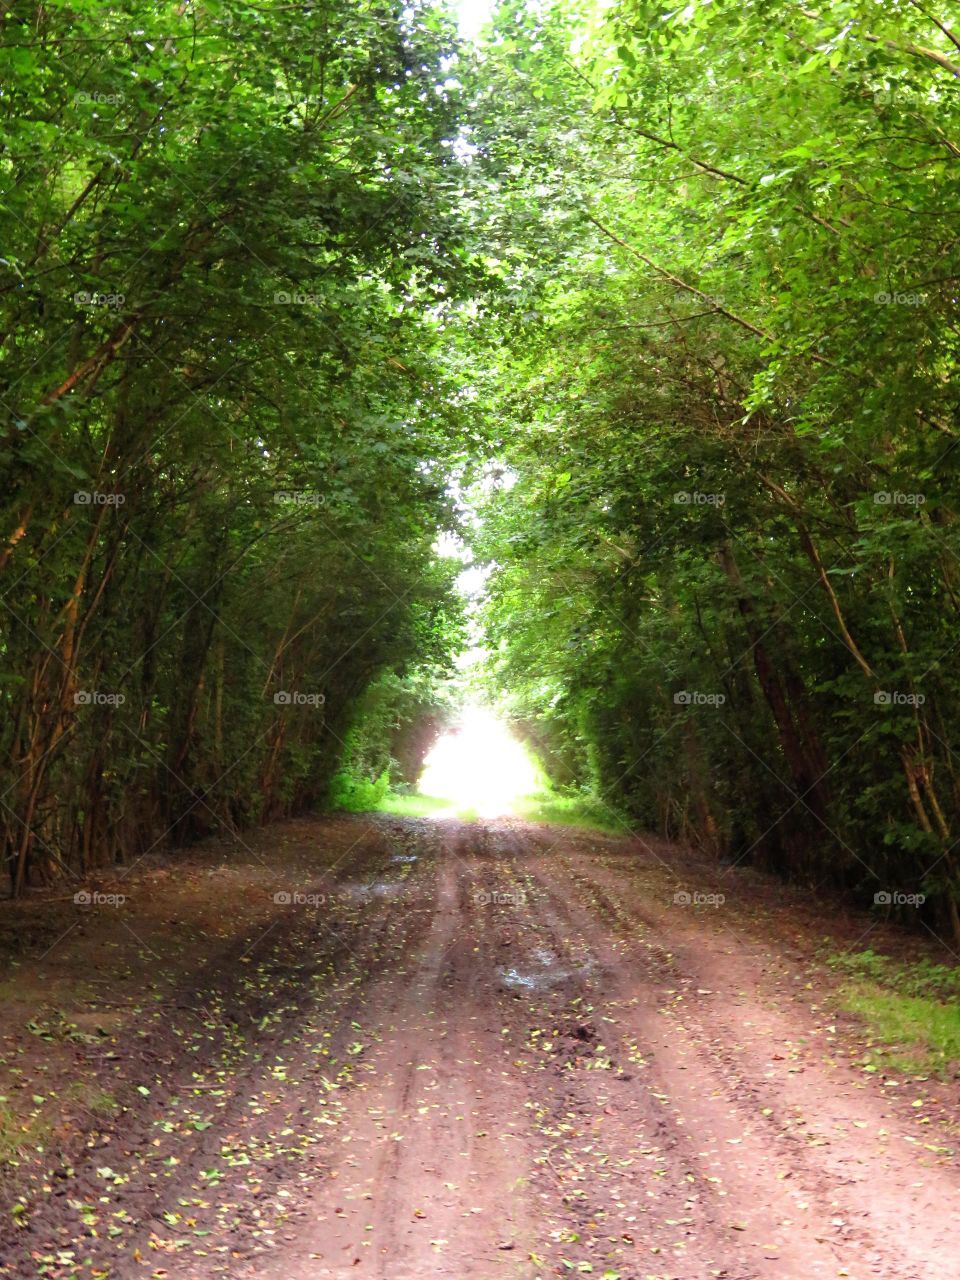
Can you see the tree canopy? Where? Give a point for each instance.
(662, 300)
(726, 585)
(229, 237)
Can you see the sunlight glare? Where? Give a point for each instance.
(479, 766)
(472, 16)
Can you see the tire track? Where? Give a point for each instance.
(714, 1047)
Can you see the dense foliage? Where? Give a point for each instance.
(679, 284)
(394, 725)
(727, 587)
(228, 239)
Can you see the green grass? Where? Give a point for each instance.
(911, 1009)
(351, 794)
(415, 805)
(582, 811)
(18, 1132)
(91, 1096)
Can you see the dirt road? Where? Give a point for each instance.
(498, 1052)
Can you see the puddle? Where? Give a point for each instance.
(545, 972)
(511, 978)
(378, 889)
(384, 888)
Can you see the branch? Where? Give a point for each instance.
(681, 284)
(915, 50)
(937, 23)
(106, 352)
(809, 546)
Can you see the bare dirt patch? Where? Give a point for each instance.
(462, 1050)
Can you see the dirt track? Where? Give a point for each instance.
(502, 1050)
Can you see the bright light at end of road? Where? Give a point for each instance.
(472, 16)
(479, 765)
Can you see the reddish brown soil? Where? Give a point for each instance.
(485, 1052)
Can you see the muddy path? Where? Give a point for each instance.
(500, 1050)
